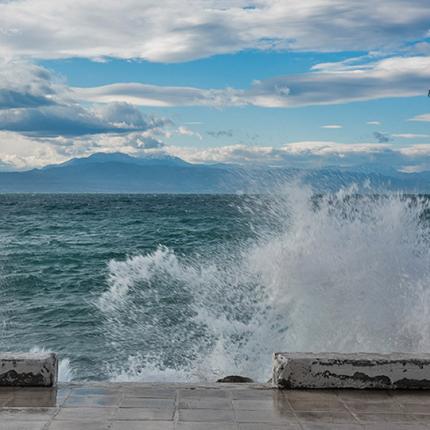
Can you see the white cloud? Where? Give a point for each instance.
(327, 84)
(75, 120)
(184, 30)
(423, 118)
(411, 136)
(185, 131)
(35, 101)
(416, 150)
(373, 123)
(25, 85)
(363, 157)
(22, 152)
(329, 148)
(332, 126)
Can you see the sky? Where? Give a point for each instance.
(307, 83)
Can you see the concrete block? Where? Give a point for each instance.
(357, 371)
(28, 369)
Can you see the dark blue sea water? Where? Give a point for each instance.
(159, 287)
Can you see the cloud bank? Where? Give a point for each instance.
(174, 31)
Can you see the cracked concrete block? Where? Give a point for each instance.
(28, 369)
(358, 370)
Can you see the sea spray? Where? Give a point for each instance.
(335, 272)
(65, 370)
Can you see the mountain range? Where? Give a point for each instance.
(122, 173)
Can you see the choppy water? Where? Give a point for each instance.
(182, 288)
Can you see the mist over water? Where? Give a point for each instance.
(192, 288)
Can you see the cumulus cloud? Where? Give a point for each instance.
(297, 151)
(332, 126)
(373, 123)
(74, 120)
(185, 131)
(26, 85)
(327, 84)
(36, 102)
(180, 31)
(376, 157)
(21, 152)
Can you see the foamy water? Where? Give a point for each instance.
(333, 273)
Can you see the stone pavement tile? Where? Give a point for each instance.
(145, 402)
(142, 425)
(135, 414)
(375, 407)
(22, 425)
(76, 401)
(209, 415)
(310, 395)
(317, 405)
(79, 425)
(422, 418)
(331, 426)
(365, 396)
(152, 392)
(411, 396)
(268, 426)
(33, 397)
(326, 417)
(27, 414)
(262, 416)
(385, 417)
(416, 408)
(211, 403)
(6, 394)
(202, 393)
(96, 391)
(252, 394)
(394, 426)
(62, 394)
(84, 414)
(258, 405)
(205, 426)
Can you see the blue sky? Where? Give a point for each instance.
(238, 81)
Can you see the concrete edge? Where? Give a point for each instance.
(28, 369)
(351, 371)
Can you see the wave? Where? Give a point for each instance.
(336, 272)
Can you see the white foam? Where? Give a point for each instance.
(350, 275)
(65, 370)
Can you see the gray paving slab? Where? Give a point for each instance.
(209, 407)
(78, 425)
(22, 425)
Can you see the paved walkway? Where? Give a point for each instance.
(213, 407)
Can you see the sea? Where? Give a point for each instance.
(191, 288)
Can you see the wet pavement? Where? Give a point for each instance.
(209, 407)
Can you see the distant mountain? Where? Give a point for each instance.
(122, 173)
(119, 157)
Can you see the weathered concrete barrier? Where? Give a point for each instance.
(360, 371)
(28, 369)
